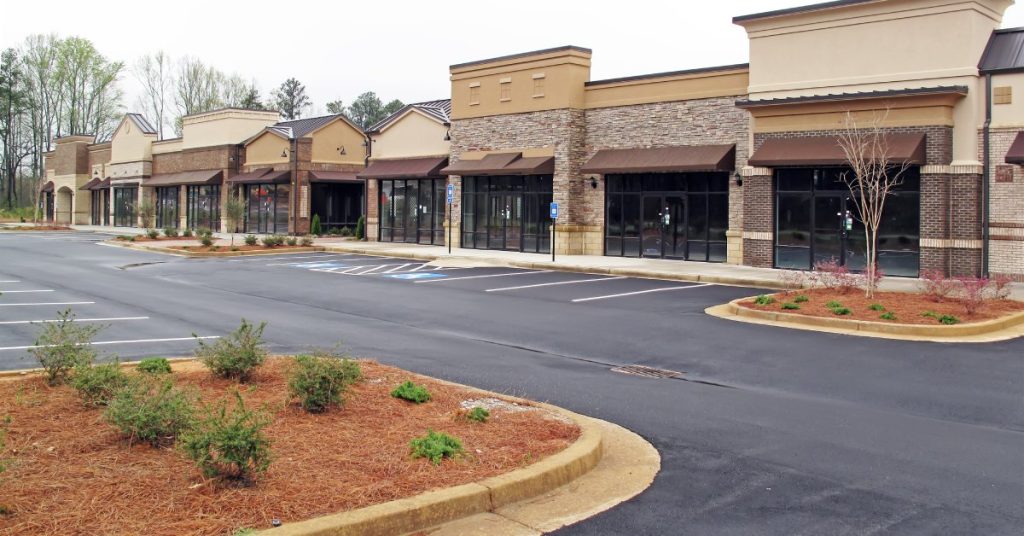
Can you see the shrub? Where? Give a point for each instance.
(764, 299)
(203, 231)
(973, 293)
(334, 231)
(236, 355)
(416, 394)
(435, 446)
(291, 241)
(97, 384)
(345, 231)
(307, 241)
(841, 311)
(314, 226)
(888, 316)
(63, 345)
(273, 240)
(319, 380)
(832, 304)
(790, 306)
(478, 414)
(235, 248)
(876, 307)
(152, 411)
(361, 227)
(229, 444)
(834, 276)
(936, 286)
(124, 237)
(801, 298)
(153, 234)
(4, 424)
(170, 232)
(948, 320)
(930, 314)
(863, 280)
(251, 240)
(793, 279)
(154, 365)
(206, 240)
(187, 233)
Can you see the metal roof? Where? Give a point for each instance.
(438, 109)
(522, 55)
(298, 128)
(142, 123)
(799, 9)
(1004, 52)
(937, 90)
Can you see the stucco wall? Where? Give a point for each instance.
(129, 144)
(412, 135)
(267, 150)
(328, 140)
(221, 127)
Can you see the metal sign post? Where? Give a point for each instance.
(554, 222)
(451, 198)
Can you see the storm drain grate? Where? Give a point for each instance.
(647, 372)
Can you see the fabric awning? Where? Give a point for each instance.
(48, 187)
(334, 176)
(825, 151)
(206, 176)
(102, 185)
(663, 159)
(262, 176)
(90, 185)
(1016, 153)
(503, 164)
(405, 168)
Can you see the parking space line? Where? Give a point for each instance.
(371, 269)
(663, 289)
(396, 268)
(47, 303)
(483, 276)
(111, 319)
(136, 341)
(10, 281)
(296, 263)
(24, 291)
(556, 283)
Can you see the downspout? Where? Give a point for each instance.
(986, 171)
(366, 188)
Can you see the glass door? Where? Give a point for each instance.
(828, 235)
(167, 207)
(496, 222)
(651, 235)
(124, 206)
(513, 222)
(674, 216)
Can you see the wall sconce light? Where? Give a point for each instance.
(284, 153)
(366, 142)
(593, 183)
(448, 135)
(739, 178)
(341, 150)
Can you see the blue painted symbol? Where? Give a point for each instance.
(451, 193)
(554, 211)
(417, 275)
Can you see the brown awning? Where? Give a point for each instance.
(663, 159)
(262, 176)
(90, 185)
(405, 168)
(48, 187)
(333, 176)
(102, 185)
(1016, 153)
(503, 164)
(826, 151)
(206, 176)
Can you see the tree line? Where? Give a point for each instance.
(52, 87)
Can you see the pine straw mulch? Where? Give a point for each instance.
(70, 473)
(907, 307)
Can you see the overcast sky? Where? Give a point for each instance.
(400, 49)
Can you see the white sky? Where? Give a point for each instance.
(400, 49)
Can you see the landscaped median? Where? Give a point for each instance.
(204, 244)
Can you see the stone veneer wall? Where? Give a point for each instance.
(950, 206)
(714, 121)
(1006, 207)
(562, 130)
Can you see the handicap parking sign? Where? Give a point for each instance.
(554, 211)
(451, 193)
(417, 275)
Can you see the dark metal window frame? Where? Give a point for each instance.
(166, 197)
(193, 198)
(390, 221)
(267, 218)
(121, 194)
(533, 190)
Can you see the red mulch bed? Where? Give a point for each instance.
(144, 238)
(70, 473)
(907, 307)
(38, 228)
(223, 246)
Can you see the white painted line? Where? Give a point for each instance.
(556, 283)
(664, 289)
(349, 270)
(23, 291)
(420, 267)
(371, 269)
(10, 281)
(482, 276)
(111, 319)
(291, 258)
(47, 303)
(136, 341)
(396, 268)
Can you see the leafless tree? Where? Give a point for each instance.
(153, 71)
(872, 177)
(197, 89)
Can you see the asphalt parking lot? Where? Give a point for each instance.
(768, 431)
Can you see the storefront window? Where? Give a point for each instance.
(204, 207)
(509, 213)
(266, 208)
(167, 207)
(412, 210)
(125, 199)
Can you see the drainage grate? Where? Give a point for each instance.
(647, 372)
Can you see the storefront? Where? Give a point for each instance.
(46, 200)
(167, 207)
(266, 194)
(337, 198)
(202, 198)
(125, 200)
(411, 199)
(203, 206)
(99, 201)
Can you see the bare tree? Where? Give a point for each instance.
(153, 71)
(872, 177)
(233, 91)
(197, 89)
(90, 98)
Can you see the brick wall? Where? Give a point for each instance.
(71, 158)
(1006, 207)
(223, 157)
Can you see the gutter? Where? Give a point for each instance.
(986, 171)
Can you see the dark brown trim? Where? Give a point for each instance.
(521, 55)
(1016, 153)
(700, 70)
(938, 90)
(800, 9)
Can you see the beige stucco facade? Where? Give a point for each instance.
(224, 126)
(268, 148)
(413, 134)
(339, 142)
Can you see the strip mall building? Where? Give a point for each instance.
(736, 164)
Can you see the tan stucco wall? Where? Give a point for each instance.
(167, 146)
(679, 87)
(1009, 115)
(414, 134)
(129, 144)
(222, 127)
(564, 74)
(267, 149)
(925, 110)
(330, 138)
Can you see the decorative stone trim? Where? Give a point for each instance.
(959, 169)
(751, 171)
(954, 243)
(754, 235)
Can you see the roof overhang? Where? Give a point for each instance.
(503, 164)
(1016, 153)
(405, 168)
(262, 176)
(208, 176)
(827, 151)
(663, 159)
(956, 92)
(89, 185)
(334, 176)
(48, 187)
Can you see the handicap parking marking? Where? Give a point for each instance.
(415, 276)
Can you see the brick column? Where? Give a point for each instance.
(758, 225)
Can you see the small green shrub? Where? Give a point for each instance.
(764, 299)
(841, 311)
(206, 240)
(334, 231)
(5, 423)
(478, 414)
(170, 232)
(876, 307)
(416, 394)
(273, 240)
(236, 355)
(314, 226)
(244, 532)
(236, 248)
(291, 241)
(930, 314)
(832, 304)
(154, 365)
(435, 446)
(203, 231)
(790, 306)
(888, 316)
(231, 444)
(345, 231)
(948, 320)
(801, 298)
(187, 233)
(153, 234)
(124, 237)
(63, 345)
(97, 384)
(251, 240)
(307, 241)
(152, 411)
(319, 380)
(361, 227)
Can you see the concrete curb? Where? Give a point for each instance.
(1005, 328)
(205, 254)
